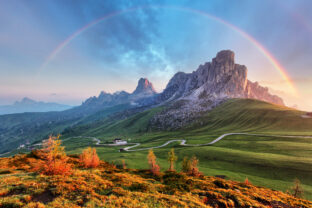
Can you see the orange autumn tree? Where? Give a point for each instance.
(154, 167)
(89, 158)
(55, 159)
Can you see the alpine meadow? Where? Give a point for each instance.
(155, 104)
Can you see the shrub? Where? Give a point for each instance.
(89, 158)
(176, 182)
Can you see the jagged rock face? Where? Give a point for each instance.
(143, 91)
(219, 79)
(205, 88)
(255, 91)
(144, 87)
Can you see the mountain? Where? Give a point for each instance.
(144, 90)
(16, 129)
(185, 99)
(29, 105)
(211, 84)
(219, 79)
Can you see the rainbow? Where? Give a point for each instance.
(244, 34)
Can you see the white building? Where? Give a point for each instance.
(119, 141)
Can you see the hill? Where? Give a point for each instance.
(108, 186)
(267, 159)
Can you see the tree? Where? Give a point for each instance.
(297, 190)
(89, 158)
(172, 158)
(55, 158)
(186, 165)
(154, 167)
(124, 166)
(246, 182)
(194, 169)
(189, 166)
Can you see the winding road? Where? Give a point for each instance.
(182, 142)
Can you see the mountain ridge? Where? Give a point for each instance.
(29, 105)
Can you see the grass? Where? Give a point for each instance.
(272, 162)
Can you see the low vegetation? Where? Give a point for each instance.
(94, 183)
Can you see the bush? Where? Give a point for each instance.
(89, 158)
(176, 182)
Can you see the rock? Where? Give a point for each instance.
(190, 94)
(141, 95)
(221, 78)
(144, 87)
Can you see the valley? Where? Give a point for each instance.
(236, 128)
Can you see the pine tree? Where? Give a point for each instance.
(154, 167)
(172, 158)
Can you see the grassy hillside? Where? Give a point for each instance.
(256, 116)
(272, 162)
(16, 129)
(108, 186)
(268, 161)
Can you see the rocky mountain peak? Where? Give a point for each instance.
(190, 94)
(144, 87)
(225, 56)
(217, 80)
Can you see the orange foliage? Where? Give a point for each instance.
(247, 182)
(154, 167)
(194, 169)
(89, 158)
(55, 159)
(108, 186)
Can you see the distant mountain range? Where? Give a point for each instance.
(29, 105)
(185, 99)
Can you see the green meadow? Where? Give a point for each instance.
(267, 161)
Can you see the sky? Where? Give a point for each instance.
(68, 50)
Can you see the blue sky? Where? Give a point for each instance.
(154, 41)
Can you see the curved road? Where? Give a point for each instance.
(182, 142)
